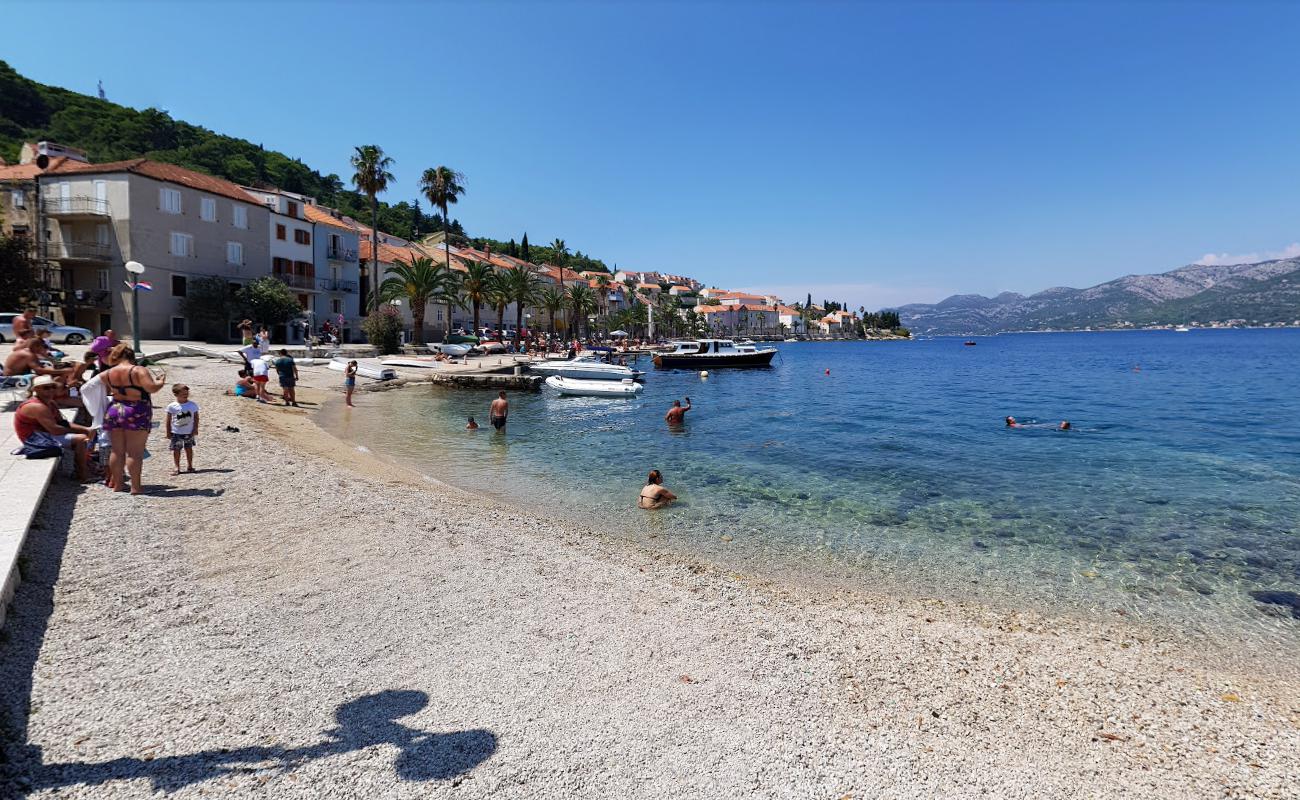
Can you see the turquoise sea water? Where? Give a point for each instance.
(1175, 496)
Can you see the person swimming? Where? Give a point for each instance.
(1064, 426)
(472, 426)
(1011, 422)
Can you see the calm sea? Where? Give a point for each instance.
(1176, 494)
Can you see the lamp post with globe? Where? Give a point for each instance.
(136, 269)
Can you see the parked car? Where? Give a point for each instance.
(68, 334)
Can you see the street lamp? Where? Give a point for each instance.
(136, 269)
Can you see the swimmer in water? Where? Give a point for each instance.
(1064, 426)
(1011, 422)
(472, 426)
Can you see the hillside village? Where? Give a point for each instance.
(80, 222)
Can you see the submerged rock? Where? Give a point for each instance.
(1289, 600)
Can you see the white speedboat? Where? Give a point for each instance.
(1182, 329)
(366, 369)
(577, 387)
(586, 368)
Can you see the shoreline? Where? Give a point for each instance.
(299, 573)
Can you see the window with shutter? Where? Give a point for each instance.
(169, 201)
(208, 209)
(240, 216)
(279, 231)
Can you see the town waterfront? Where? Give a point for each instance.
(1173, 497)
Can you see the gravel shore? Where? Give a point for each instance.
(301, 619)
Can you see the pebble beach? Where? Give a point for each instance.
(303, 619)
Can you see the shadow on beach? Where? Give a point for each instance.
(361, 723)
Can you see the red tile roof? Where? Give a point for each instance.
(323, 217)
(169, 173)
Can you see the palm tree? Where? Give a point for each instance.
(474, 286)
(371, 178)
(602, 289)
(561, 256)
(524, 289)
(581, 302)
(553, 300)
(417, 282)
(443, 186)
(498, 297)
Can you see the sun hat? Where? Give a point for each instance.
(43, 380)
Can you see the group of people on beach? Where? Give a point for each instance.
(113, 398)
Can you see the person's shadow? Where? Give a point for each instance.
(368, 720)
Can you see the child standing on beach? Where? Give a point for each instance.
(350, 381)
(182, 426)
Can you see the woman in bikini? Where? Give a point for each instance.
(129, 416)
(654, 494)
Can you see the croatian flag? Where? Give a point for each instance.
(142, 285)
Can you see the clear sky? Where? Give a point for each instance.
(877, 153)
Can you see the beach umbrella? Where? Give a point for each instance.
(618, 334)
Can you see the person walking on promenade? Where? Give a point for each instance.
(676, 415)
(350, 382)
(129, 416)
(499, 411)
(182, 426)
(287, 369)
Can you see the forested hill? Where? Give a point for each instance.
(31, 111)
(1262, 293)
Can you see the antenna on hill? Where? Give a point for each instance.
(102, 96)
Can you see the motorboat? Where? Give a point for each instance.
(577, 387)
(586, 368)
(970, 343)
(1182, 329)
(490, 348)
(366, 369)
(707, 353)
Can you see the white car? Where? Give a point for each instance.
(68, 334)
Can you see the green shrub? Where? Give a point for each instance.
(384, 329)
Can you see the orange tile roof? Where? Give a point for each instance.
(27, 172)
(169, 173)
(321, 216)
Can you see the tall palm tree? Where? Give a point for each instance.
(371, 178)
(443, 186)
(581, 302)
(602, 289)
(523, 288)
(561, 256)
(417, 282)
(498, 297)
(474, 286)
(554, 301)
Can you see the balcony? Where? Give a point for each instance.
(304, 282)
(78, 251)
(341, 254)
(89, 298)
(333, 285)
(76, 207)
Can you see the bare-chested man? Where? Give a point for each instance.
(677, 414)
(27, 361)
(499, 411)
(40, 413)
(23, 324)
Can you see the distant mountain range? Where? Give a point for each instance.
(1262, 293)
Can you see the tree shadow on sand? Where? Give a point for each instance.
(369, 720)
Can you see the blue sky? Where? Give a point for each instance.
(878, 153)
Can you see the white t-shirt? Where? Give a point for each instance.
(259, 367)
(182, 415)
(250, 351)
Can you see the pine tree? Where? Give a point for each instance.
(512, 249)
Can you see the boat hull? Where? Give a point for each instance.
(583, 388)
(762, 358)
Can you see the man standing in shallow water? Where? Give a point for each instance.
(499, 411)
(677, 414)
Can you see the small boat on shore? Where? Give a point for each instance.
(454, 350)
(708, 353)
(577, 387)
(409, 362)
(366, 369)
